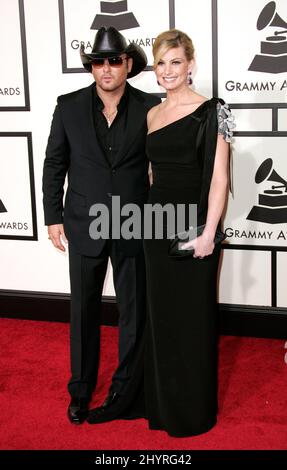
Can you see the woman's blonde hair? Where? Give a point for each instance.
(170, 39)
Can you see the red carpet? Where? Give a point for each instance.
(35, 369)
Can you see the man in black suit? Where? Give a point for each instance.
(97, 138)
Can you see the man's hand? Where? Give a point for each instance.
(56, 235)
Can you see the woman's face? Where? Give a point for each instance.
(172, 69)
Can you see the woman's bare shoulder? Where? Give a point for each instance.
(152, 112)
(198, 99)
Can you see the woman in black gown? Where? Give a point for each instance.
(187, 145)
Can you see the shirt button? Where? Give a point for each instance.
(113, 172)
(110, 148)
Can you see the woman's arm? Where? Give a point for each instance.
(150, 117)
(204, 245)
(218, 187)
(150, 177)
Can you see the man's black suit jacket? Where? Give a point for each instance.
(73, 149)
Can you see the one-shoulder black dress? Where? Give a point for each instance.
(181, 340)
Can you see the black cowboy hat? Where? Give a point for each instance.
(109, 42)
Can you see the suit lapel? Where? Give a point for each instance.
(136, 116)
(87, 124)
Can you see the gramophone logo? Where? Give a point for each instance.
(272, 203)
(2, 207)
(115, 13)
(273, 53)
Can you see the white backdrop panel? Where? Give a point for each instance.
(282, 120)
(245, 278)
(11, 76)
(281, 279)
(255, 120)
(264, 225)
(239, 41)
(15, 187)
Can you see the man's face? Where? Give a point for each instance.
(111, 74)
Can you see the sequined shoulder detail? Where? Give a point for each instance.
(225, 120)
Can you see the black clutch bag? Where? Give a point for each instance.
(180, 239)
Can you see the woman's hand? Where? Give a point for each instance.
(202, 245)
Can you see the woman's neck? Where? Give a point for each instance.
(178, 97)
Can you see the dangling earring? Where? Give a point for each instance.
(189, 78)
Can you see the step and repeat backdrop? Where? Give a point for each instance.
(241, 56)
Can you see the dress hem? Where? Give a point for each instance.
(207, 428)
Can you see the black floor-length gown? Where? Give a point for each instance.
(179, 354)
(181, 340)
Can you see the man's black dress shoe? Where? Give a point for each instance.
(78, 410)
(101, 413)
